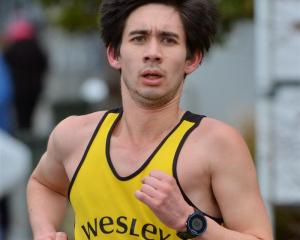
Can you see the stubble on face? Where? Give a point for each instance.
(150, 98)
(172, 56)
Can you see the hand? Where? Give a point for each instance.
(53, 236)
(161, 193)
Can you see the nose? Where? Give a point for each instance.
(153, 52)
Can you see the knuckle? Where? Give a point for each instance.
(161, 201)
(145, 179)
(166, 188)
(157, 204)
(163, 198)
(142, 197)
(169, 180)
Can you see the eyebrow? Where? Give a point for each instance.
(161, 33)
(169, 34)
(139, 32)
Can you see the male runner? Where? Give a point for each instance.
(149, 170)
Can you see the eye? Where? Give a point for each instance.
(138, 39)
(169, 41)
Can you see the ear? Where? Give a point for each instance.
(113, 59)
(192, 64)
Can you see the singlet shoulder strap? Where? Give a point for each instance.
(192, 117)
(196, 119)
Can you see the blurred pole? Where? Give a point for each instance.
(263, 107)
(277, 107)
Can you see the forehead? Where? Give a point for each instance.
(155, 17)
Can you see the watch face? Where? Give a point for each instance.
(197, 224)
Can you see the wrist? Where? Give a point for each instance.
(43, 236)
(182, 222)
(52, 235)
(44, 232)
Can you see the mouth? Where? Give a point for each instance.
(152, 74)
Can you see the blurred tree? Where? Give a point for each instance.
(73, 15)
(233, 10)
(82, 15)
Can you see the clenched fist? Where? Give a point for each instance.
(161, 193)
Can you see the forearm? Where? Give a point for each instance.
(216, 231)
(46, 208)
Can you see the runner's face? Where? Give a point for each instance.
(153, 55)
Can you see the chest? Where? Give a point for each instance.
(182, 158)
(187, 162)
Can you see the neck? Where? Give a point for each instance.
(141, 124)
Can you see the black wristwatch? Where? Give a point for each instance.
(195, 225)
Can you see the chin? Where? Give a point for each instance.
(153, 100)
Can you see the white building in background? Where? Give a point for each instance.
(223, 87)
(278, 106)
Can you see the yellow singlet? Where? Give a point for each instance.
(104, 203)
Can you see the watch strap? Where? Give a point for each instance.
(184, 235)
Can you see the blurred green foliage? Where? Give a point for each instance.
(73, 15)
(233, 10)
(82, 15)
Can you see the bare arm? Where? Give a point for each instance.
(47, 190)
(235, 187)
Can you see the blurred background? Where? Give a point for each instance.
(53, 64)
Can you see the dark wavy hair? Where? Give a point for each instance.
(199, 19)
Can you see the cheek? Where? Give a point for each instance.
(177, 59)
(178, 66)
(128, 59)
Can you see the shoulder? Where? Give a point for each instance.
(72, 132)
(215, 131)
(223, 143)
(222, 133)
(71, 123)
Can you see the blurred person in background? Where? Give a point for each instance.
(6, 96)
(149, 170)
(28, 64)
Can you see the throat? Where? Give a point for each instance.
(133, 144)
(143, 128)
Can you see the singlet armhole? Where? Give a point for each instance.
(87, 149)
(196, 119)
